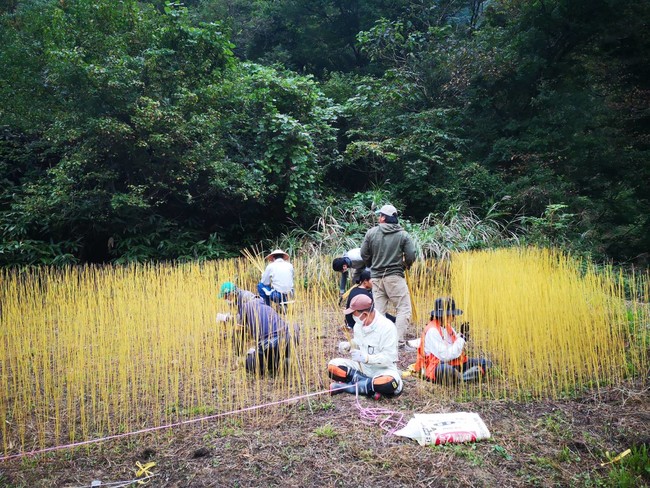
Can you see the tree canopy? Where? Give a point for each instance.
(134, 131)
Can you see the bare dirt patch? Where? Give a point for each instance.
(534, 443)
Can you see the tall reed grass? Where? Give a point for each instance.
(460, 228)
(91, 351)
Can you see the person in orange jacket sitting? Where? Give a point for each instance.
(440, 355)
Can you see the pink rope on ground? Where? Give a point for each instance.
(388, 420)
(370, 416)
(160, 427)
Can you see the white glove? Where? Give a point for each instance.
(344, 347)
(223, 317)
(359, 356)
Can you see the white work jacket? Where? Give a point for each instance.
(443, 346)
(379, 341)
(279, 275)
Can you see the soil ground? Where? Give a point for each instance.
(324, 443)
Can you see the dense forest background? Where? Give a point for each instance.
(144, 130)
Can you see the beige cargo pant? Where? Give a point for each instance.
(393, 290)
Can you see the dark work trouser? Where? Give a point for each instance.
(270, 356)
(470, 370)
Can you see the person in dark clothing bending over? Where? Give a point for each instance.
(351, 260)
(273, 335)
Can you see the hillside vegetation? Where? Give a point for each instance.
(133, 131)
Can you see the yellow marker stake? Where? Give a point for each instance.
(144, 470)
(617, 458)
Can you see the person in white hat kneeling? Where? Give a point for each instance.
(276, 284)
(371, 368)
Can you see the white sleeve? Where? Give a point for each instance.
(436, 345)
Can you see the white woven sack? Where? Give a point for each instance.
(441, 428)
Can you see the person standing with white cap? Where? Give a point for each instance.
(389, 250)
(276, 284)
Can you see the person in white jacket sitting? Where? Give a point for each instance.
(371, 369)
(276, 284)
(441, 357)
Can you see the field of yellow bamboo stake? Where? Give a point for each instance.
(549, 323)
(87, 352)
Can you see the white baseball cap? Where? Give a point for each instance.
(388, 210)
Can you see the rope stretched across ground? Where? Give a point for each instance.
(388, 420)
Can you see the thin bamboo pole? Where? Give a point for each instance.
(91, 351)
